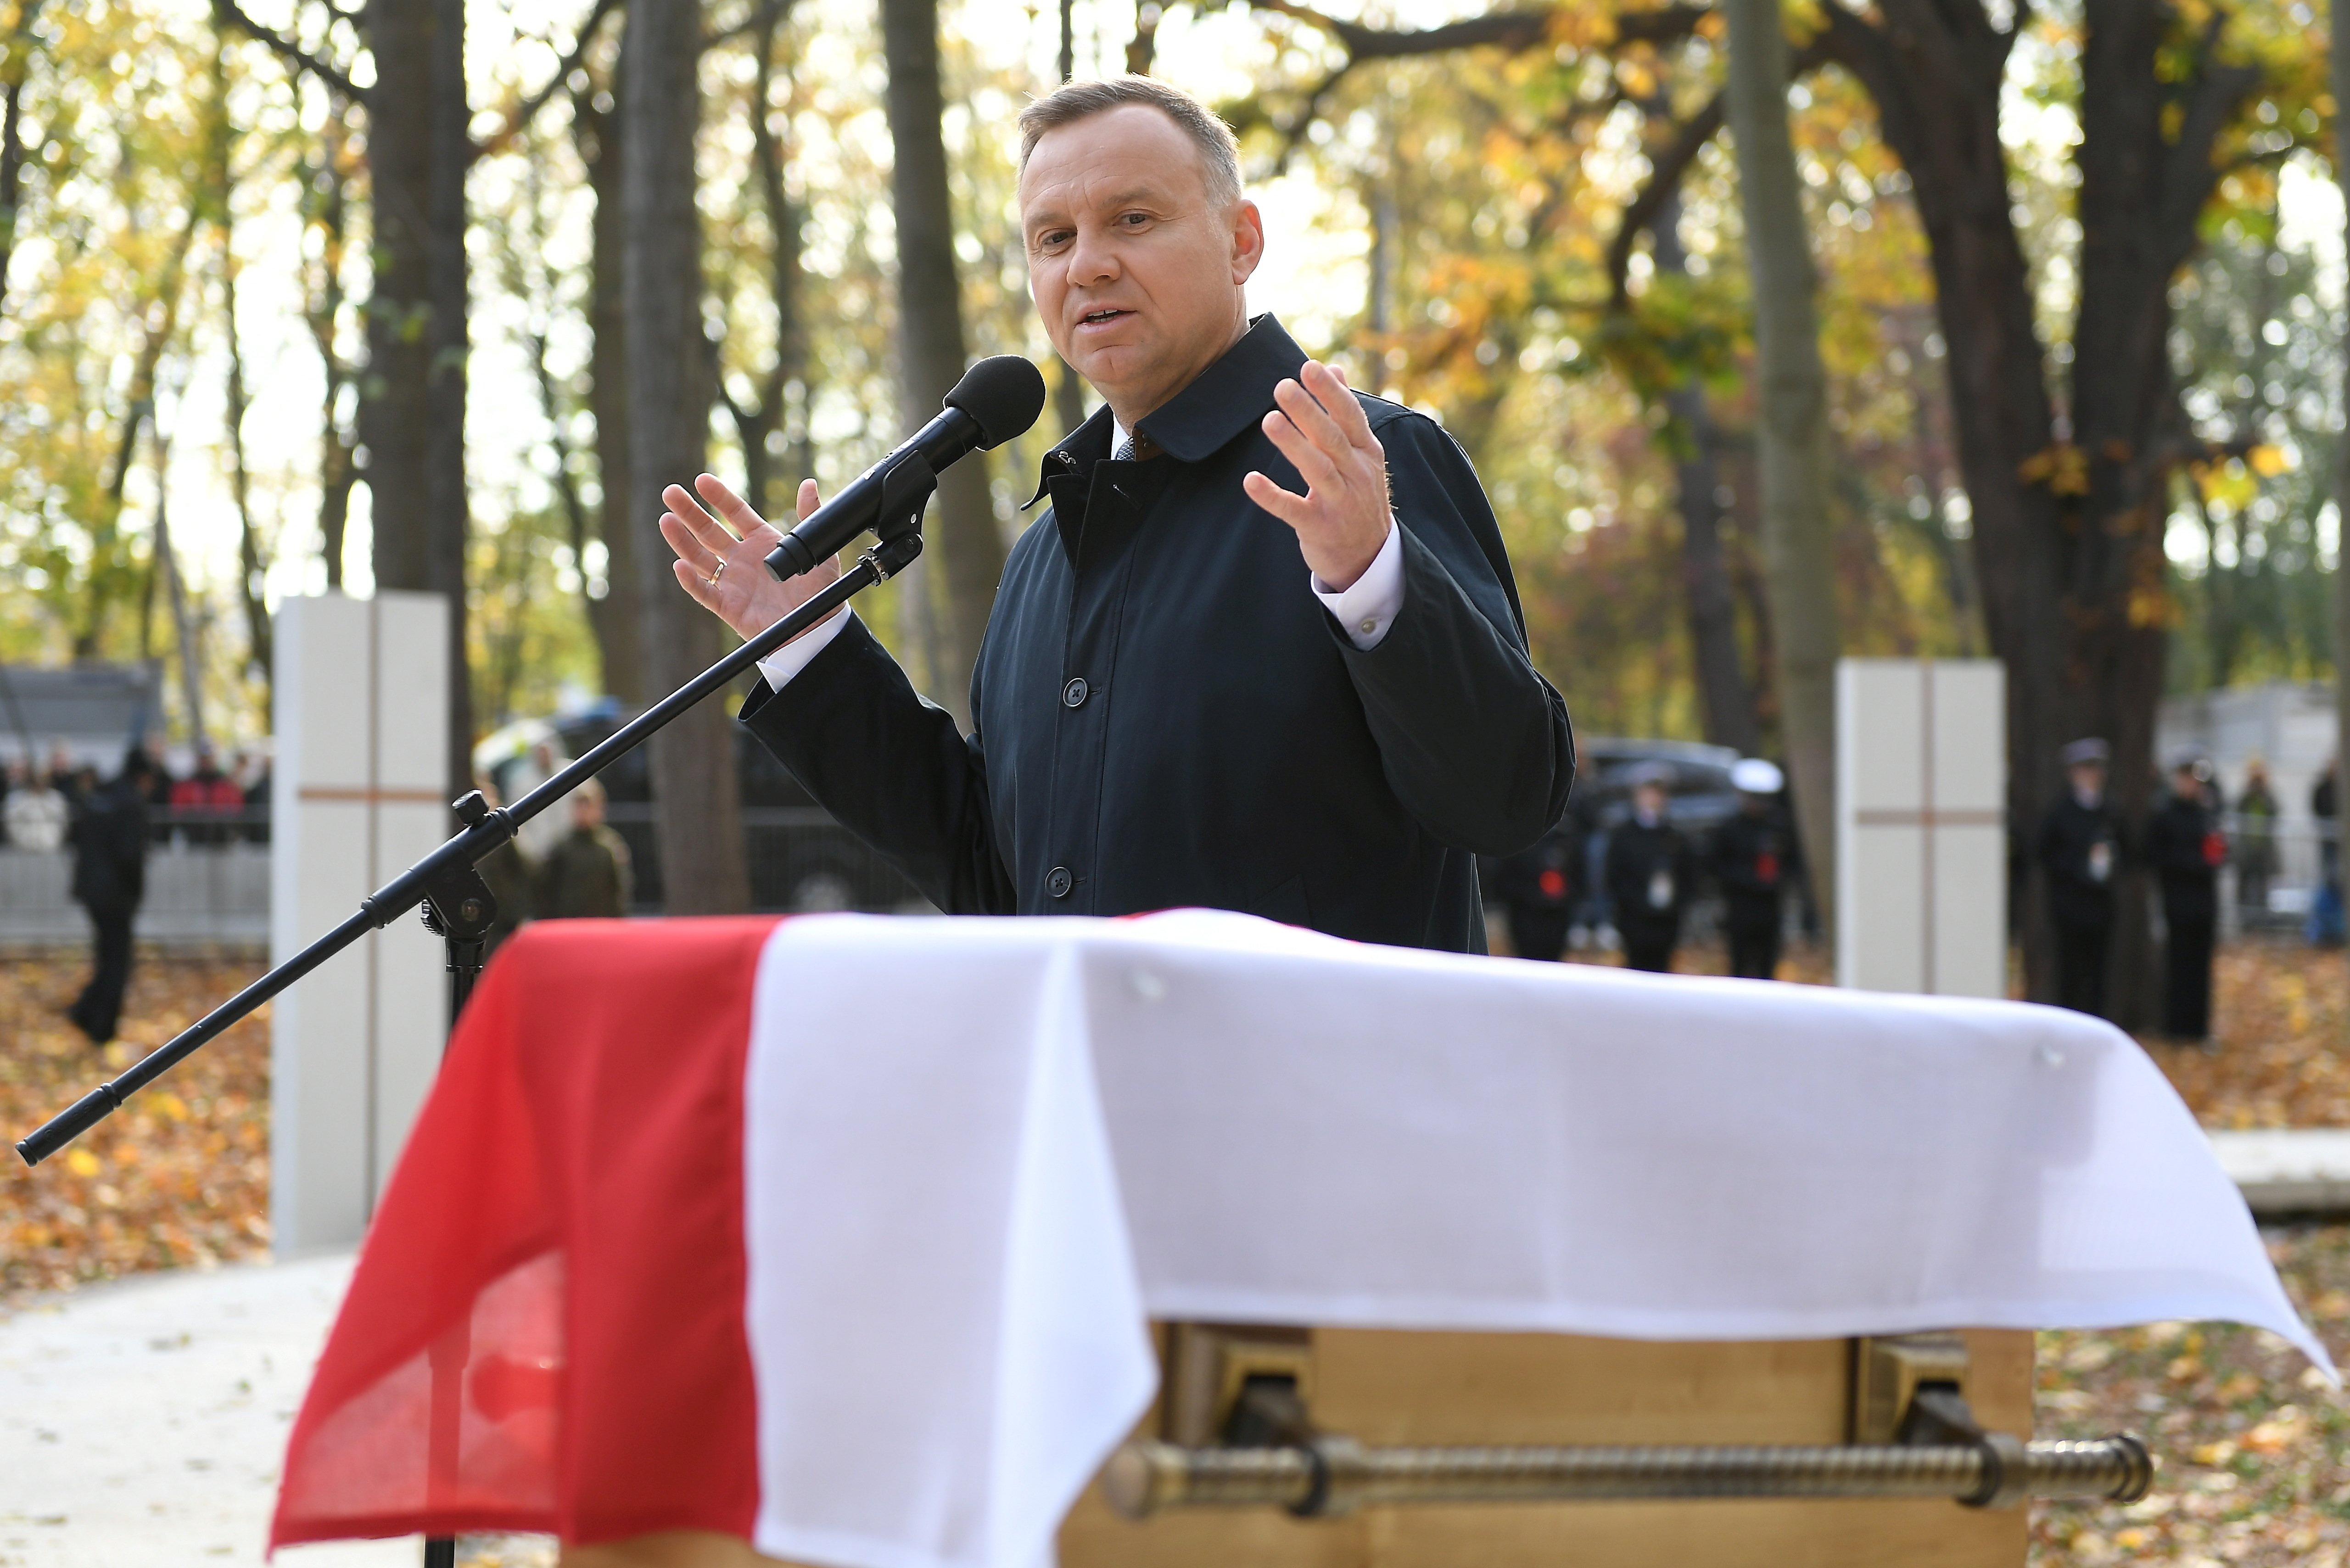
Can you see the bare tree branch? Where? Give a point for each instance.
(229, 14)
(1513, 30)
(528, 110)
(1667, 165)
(761, 21)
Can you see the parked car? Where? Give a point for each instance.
(801, 859)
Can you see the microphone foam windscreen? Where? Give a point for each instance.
(1002, 395)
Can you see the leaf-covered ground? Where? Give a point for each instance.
(179, 1177)
(2254, 1451)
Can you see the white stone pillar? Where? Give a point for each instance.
(1921, 825)
(361, 792)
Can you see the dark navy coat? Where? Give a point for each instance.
(1166, 717)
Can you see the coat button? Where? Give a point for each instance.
(1057, 881)
(1072, 695)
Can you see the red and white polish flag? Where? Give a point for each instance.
(841, 1234)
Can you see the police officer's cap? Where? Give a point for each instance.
(2091, 750)
(1658, 774)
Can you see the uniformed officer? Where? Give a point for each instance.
(1650, 875)
(2186, 849)
(1753, 858)
(1537, 888)
(2080, 849)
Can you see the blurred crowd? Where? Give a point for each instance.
(1631, 875)
(212, 801)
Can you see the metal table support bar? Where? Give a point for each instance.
(1330, 1475)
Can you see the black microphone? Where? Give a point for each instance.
(996, 400)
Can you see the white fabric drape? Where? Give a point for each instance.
(980, 1152)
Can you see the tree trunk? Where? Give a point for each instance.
(2067, 511)
(327, 203)
(183, 628)
(618, 619)
(696, 789)
(418, 155)
(969, 547)
(2340, 51)
(1725, 697)
(13, 72)
(1790, 430)
(252, 557)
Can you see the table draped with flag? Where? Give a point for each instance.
(841, 1233)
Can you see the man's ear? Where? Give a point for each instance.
(1248, 240)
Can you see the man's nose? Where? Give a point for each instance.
(1092, 259)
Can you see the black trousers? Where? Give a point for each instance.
(1755, 951)
(98, 1009)
(2186, 993)
(1538, 933)
(1649, 947)
(2081, 953)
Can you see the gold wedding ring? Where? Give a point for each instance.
(719, 573)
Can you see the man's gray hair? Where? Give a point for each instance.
(1219, 150)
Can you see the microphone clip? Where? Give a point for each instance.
(906, 491)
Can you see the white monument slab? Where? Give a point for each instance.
(361, 792)
(1921, 825)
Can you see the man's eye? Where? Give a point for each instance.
(1134, 220)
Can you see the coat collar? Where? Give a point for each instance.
(1227, 398)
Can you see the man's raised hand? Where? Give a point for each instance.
(723, 565)
(1343, 518)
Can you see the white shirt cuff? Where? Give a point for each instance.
(1370, 607)
(788, 660)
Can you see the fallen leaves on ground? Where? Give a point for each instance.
(2282, 1023)
(180, 1176)
(2251, 1447)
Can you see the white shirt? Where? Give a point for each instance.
(1364, 611)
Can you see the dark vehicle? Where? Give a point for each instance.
(801, 859)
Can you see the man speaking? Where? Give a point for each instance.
(1263, 651)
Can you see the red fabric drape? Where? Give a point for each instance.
(558, 1256)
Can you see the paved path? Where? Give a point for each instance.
(2289, 1170)
(141, 1424)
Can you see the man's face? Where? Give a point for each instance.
(2089, 778)
(1136, 269)
(1648, 799)
(587, 810)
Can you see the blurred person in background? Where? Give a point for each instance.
(1752, 857)
(110, 877)
(1535, 888)
(2079, 847)
(36, 815)
(253, 776)
(1651, 873)
(2185, 849)
(586, 875)
(205, 802)
(2325, 908)
(2256, 846)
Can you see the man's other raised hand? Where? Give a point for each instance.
(724, 563)
(1343, 518)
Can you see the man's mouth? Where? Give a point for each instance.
(1099, 317)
